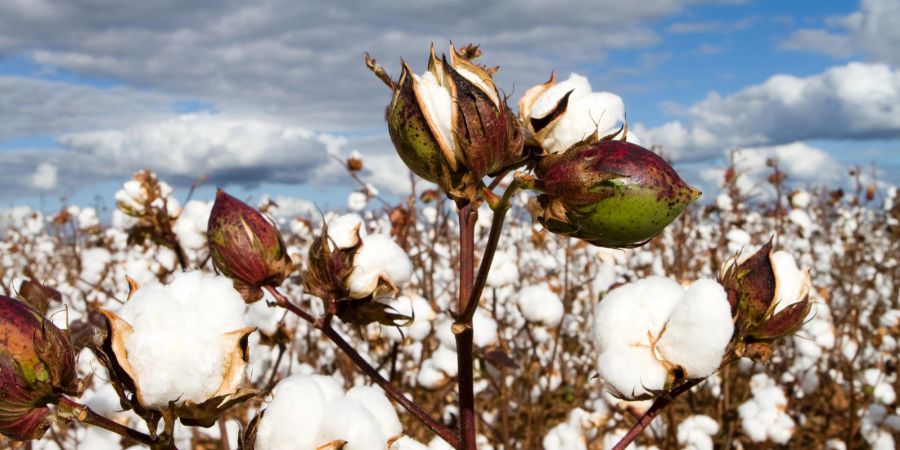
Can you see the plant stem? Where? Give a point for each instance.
(86, 415)
(463, 330)
(658, 405)
(363, 365)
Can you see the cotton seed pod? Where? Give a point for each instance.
(246, 247)
(769, 298)
(37, 365)
(451, 125)
(609, 193)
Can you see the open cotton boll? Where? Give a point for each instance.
(631, 372)
(348, 419)
(356, 201)
(595, 114)
(438, 106)
(485, 326)
(699, 329)
(293, 418)
(504, 270)
(378, 259)
(190, 228)
(407, 443)
(792, 284)
(564, 437)
(182, 336)
(762, 416)
(374, 400)
(344, 231)
(578, 84)
(696, 432)
(419, 310)
(94, 262)
(539, 304)
(625, 316)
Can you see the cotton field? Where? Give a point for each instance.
(548, 369)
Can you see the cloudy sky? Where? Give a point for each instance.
(254, 95)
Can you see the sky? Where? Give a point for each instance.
(257, 96)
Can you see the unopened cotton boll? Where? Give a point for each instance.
(699, 330)
(378, 259)
(539, 304)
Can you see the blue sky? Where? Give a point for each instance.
(255, 96)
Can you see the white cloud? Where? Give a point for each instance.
(874, 30)
(304, 59)
(225, 148)
(44, 177)
(854, 101)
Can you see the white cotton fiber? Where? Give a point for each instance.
(438, 105)
(631, 371)
(293, 418)
(344, 231)
(309, 411)
(378, 257)
(374, 400)
(625, 316)
(348, 420)
(696, 432)
(548, 100)
(539, 304)
(790, 280)
(171, 324)
(190, 228)
(698, 330)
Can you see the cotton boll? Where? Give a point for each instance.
(445, 360)
(94, 262)
(699, 330)
(421, 313)
(379, 258)
(196, 309)
(348, 419)
(539, 304)
(407, 443)
(801, 199)
(625, 316)
(791, 283)
(485, 326)
(724, 202)
(293, 418)
(504, 270)
(631, 371)
(577, 84)
(564, 437)
(344, 231)
(329, 386)
(379, 406)
(438, 104)
(356, 201)
(190, 228)
(696, 432)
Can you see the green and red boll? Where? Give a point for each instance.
(608, 193)
(246, 247)
(37, 366)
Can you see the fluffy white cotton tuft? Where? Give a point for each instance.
(344, 231)
(699, 330)
(626, 314)
(438, 105)
(309, 411)
(632, 372)
(179, 346)
(539, 304)
(792, 284)
(379, 258)
(190, 228)
(762, 416)
(696, 432)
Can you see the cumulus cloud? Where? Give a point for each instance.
(853, 101)
(874, 30)
(292, 59)
(180, 148)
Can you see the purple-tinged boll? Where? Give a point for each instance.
(246, 247)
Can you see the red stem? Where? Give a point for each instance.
(658, 405)
(468, 215)
(86, 415)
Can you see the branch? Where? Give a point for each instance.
(86, 415)
(658, 405)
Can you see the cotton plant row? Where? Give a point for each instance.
(214, 314)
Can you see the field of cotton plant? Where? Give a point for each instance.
(556, 287)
